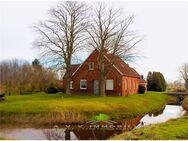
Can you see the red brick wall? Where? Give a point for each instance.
(127, 87)
(91, 75)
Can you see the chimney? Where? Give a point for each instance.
(141, 76)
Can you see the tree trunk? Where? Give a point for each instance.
(102, 76)
(102, 85)
(20, 91)
(68, 79)
(186, 84)
(9, 90)
(67, 134)
(68, 86)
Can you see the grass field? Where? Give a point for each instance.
(44, 108)
(176, 129)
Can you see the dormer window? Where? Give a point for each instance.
(91, 65)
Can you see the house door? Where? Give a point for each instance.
(96, 87)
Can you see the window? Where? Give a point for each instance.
(71, 84)
(109, 84)
(91, 65)
(83, 84)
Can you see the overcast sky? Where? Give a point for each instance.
(163, 24)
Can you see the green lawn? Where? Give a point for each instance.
(45, 108)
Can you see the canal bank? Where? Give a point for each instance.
(174, 129)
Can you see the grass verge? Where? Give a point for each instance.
(41, 109)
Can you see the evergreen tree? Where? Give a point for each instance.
(156, 82)
(149, 81)
(36, 64)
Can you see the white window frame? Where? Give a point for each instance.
(111, 87)
(71, 85)
(83, 80)
(91, 65)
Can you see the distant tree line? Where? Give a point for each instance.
(156, 82)
(18, 76)
(175, 86)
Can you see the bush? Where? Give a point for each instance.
(51, 88)
(141, 89)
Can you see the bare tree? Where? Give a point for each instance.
(110, 33)
(184, 73)
(4, 69)
(62, 35)
(9, 72)
(18, 76)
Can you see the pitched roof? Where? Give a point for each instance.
(123, 67)
(74, 67)
(119, 65)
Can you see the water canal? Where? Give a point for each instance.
(94, 129)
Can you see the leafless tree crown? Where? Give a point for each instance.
(110, 30)
(62, 34)
(184, 73)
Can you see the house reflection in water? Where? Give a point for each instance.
(99, 130)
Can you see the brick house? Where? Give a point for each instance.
(121, 79)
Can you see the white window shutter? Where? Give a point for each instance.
(109, 84)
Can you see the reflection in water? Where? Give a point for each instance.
(94, 129)
(23, 134)
(59, 134)
(169, 112)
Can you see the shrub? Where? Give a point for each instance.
(51, 88)
(141, 89)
